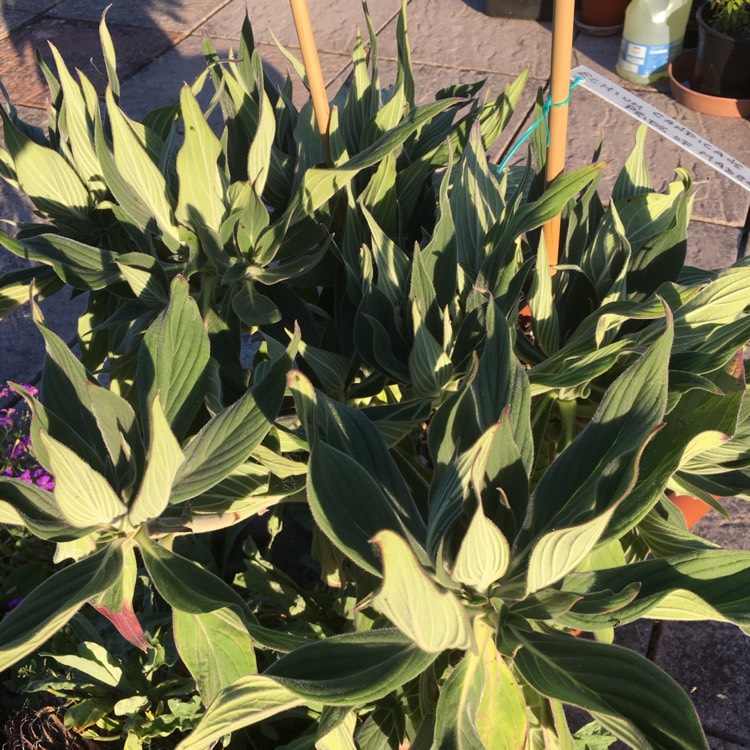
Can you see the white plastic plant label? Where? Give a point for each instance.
(666, 126)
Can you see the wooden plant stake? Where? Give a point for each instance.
(314, 73)
(562, 53)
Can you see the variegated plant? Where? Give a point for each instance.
(587, 321)
(246, 217)
(471, 574)
(472, 485)
(124, 480)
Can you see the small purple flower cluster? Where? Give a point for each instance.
(16, 458)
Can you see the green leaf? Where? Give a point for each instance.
(405, 73)
(117, 424)
(712, 584)
(435, 620)
(481, 704)
(215, 647)
(259, 155)
(634, 178)
(173, 360)
(351, 669)
(500, 384)
(350, 431)
(110, 59)
(430, 367)
(45, 176)
(608, 681)
(254, 308)
(14, 286)
(146, 278)
(202, 194)
(162, 464)
(552, 201)
(599, 467)
(560, 551)
(391, 262)
(544, 319)
(26, 504)
(318, 185)
(249, 700)
(83, 495)
(82, 266)
(475, 202)
(184, 584)
(348, 504)
(439, 257)
(139, 172)
(49, 606)
(79, 126)
(228, 439)
(94, 662)
(695, 412)
(484, 554)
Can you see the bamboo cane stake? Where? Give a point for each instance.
(311, 60)
(562, 53)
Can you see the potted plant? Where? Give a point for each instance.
(723, 48)
(715, 79)
(468, 493)
(602, 17)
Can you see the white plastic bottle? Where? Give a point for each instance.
(653, 34)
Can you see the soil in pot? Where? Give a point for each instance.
(680, 71)
(722, 67)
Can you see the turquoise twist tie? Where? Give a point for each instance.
(548, 104)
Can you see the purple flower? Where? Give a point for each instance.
(44, 480)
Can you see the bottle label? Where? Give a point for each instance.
(647, 60)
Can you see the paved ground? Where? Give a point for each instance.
(158, 44)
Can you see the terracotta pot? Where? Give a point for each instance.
(722, 67)
(680, 73)
(540, 10)
(606, 13)
(692, 508)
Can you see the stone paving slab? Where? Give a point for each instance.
(454, 33)
(12, 19)
(15, 13)
(78, 42)
(717, 196)
(717, 744)
(709, 660)
(711, 246)
(168, 15)
(335, 22)
(22, 345)
(732, 532)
